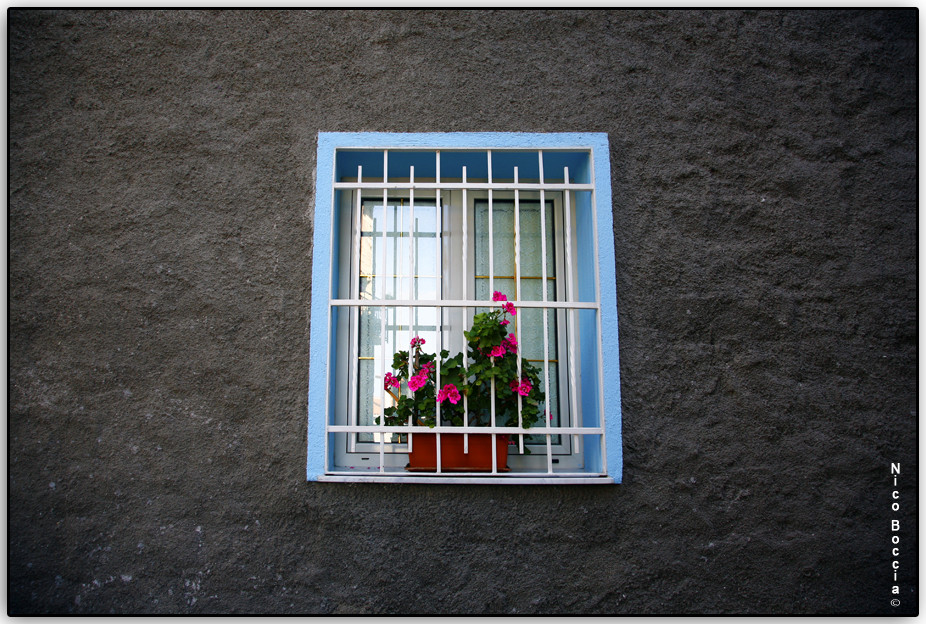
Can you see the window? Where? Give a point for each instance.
(413, 234)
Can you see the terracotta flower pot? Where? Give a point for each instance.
(423, 457)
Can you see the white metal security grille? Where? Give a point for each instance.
(583, 422)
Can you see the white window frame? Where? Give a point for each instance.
(328, 362)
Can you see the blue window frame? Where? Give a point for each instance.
(424, 196)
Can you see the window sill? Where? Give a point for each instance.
(446, 479)
(372, 475)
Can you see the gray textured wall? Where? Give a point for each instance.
(160, 222)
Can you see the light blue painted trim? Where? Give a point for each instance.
(321, 262)
(463, 140)
(610, 374)
(318, 337)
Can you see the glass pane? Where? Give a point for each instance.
(399, 259)
(503, 239)
(552, 405)
(393, 263)
(371, 347)
(503, 229)
(505, 286)
(369, 402)
(370, 331)
(504, 248)
(530, 325)
(531, 232)
(481, 243)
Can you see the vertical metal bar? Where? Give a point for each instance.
(355, 319)
(517, 290)
(438, 310)
(494, 437)
(412, 312)
(382, 294)
(440, 288)
(465, 217)
(492, 290)
(358, 225)
(601, 421)
(439, 230)
(546, 333)
(412, 251)
(491, 233)
(570, 313)
(438, 220)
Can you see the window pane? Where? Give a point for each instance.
(531, 248)
(397, 272)
(504, 248)
(552, 406)
(406, 265)
(369, 402)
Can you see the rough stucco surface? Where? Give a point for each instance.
(160, 222)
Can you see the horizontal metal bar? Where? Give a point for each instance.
(470, 186)
(477, 149)
(477, 478)
(403, 275)
(540, 430)
(512, 277)
(460, 303)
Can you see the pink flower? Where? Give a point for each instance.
(497, 296)
(497, 351)
(417, 382)
(511, 344)
(524, 388)
(428, 367)
(449, 392)
(392, 381)
(504, 322)
(417, 341)
(509, 308)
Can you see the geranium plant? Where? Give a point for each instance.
(491, 354)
